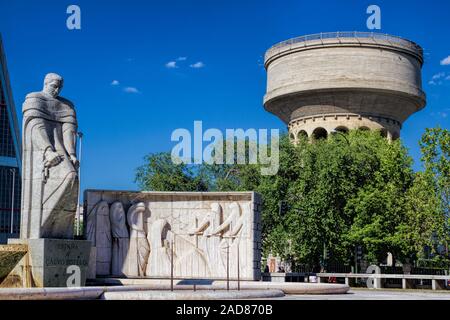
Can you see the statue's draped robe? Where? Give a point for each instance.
(211, 245)
(139, 249)
(48, 203)
(159, 260)
(98, 231)
(120, 240)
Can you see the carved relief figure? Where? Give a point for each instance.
(120, 238)
(229, 231)
(99, 233)
(91, 225)
(139, 249)
(210, 243)
(160, 243)
(49, 179)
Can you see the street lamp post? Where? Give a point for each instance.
(228, 263)
(13, 170)
(171, 265)
(80, 136)
(228, 266)
(238, 271)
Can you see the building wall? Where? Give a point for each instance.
(6, 182)
(10, 158)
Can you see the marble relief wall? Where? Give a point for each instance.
(136, 234)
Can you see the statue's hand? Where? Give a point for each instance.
(75, 161)
(52, 159)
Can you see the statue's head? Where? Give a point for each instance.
(140, 207)
(53, 84)
(117, 210)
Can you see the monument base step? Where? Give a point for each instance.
(51, 263)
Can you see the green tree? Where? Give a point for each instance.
(435, 147)
(378, 206)
(161, 174)
(424, 223)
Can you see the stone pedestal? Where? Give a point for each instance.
(57, 262)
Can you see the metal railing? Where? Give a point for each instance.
(347, 34)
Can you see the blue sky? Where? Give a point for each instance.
(217, 48)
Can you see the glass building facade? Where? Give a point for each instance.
(10, 159)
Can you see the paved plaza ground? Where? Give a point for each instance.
(367, 294)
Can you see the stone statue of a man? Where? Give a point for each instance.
(49, 178)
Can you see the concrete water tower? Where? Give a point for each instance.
(344, 80)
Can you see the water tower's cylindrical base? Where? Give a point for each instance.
(320, 126)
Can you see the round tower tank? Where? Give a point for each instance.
(344, 80)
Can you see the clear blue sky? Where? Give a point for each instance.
(132, 41)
